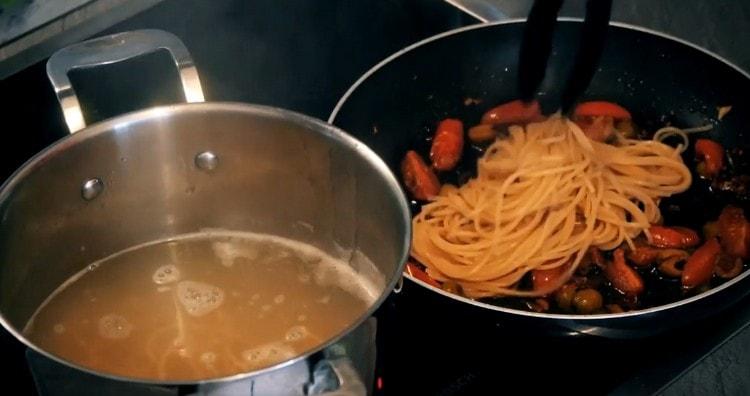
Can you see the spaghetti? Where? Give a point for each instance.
(541, 198)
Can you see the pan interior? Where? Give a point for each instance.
(463, 73)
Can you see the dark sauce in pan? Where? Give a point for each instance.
(700, 204)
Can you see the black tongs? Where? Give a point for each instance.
(537, 44)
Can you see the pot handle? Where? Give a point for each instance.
(336, 377)
(112, 49)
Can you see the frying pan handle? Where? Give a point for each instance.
(112, 49)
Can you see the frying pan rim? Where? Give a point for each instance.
(567, 317)
(314, 125)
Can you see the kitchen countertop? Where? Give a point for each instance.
(31, 30)
(19, 17)
(307, 67)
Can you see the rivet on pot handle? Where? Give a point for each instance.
(112, 49)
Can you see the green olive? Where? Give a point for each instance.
(587, 301)
(727, 268)
(482, 133)
(710, 229)
(614, 308)
(672, 266)
(564, 296)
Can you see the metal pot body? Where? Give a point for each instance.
(166, 171)
(463, 73)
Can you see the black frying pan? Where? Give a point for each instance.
(396, 104)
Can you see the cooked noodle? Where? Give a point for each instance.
(668, 131)
(541, 198)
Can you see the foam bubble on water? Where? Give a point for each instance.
(296, 333)
(357, 275)
(310, 258)
(162, 289)
(277, 255)
(199, 298)
(166, 274)
(183, 353)
(268, 353)
(324, 300)
(114, 327)
(266, 307)
(228, 251)
(208, 359)
(279, 299)
(58, 328)
(365, 284)
(305, 225)
(302, 318)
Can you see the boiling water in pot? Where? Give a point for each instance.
(201, 306)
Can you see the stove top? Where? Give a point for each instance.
(421, 351)
(305, 63)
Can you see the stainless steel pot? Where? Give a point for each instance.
(165, 171)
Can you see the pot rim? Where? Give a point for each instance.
(562, 317)
(312, 124)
